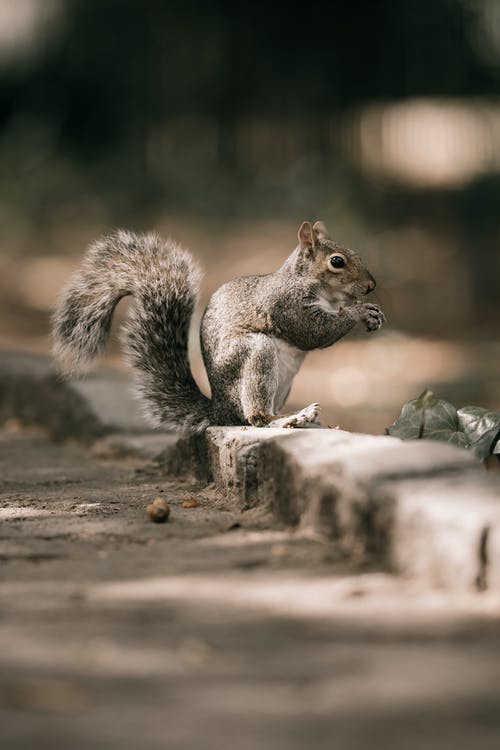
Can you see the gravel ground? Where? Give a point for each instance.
(214, 628)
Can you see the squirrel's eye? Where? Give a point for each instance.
(337, 261)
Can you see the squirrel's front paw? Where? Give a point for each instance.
(372, 316)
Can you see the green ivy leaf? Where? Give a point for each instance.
(482, 428)
(431, 418)
(436, 421)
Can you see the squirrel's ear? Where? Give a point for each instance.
(306, 237)
(320, 231)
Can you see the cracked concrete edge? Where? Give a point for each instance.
(98, 410)
(427, 510)
(33, 392)
(442, 529)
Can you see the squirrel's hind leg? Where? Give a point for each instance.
(303, 418)
(258, 380)
(260, 387)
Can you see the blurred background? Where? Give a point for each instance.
(226, 125)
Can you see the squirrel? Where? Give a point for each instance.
(255, 332)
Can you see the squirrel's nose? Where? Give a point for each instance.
(371, 284)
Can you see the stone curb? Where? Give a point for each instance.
(33, 392)
(426, 509)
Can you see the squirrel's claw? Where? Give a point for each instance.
(372, 316)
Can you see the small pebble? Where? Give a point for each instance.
(158, 510)
(191, 502)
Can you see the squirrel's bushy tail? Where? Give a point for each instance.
(163, 279)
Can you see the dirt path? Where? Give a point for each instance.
(201, 633)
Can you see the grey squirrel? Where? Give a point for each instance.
(255, 332)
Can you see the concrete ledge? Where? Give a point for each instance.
(31, 391)
(426, 509)
(98, 409)
(441, 529)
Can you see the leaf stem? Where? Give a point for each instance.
(422, 425)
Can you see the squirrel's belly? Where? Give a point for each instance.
(289, 360)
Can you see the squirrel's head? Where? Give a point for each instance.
(341, 273)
